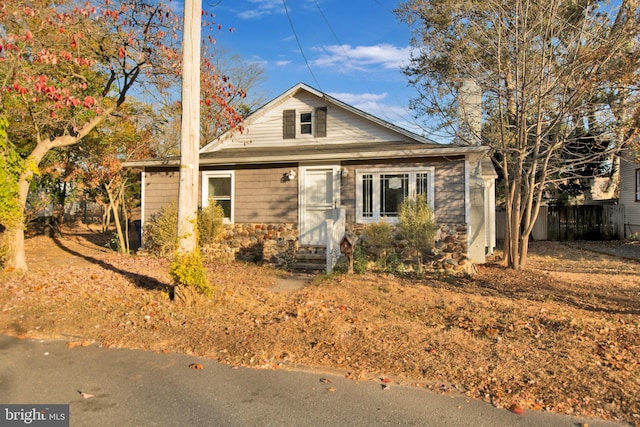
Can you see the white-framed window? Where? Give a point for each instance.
(637, 185)
(381, 191)
(218, 187)
(306, 123)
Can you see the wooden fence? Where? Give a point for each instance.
(585, 222)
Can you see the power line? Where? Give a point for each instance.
(295, 34)
(351, 63)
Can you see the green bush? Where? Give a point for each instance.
(210, 223)
(379, 239)
(187, 270)
(161, 231)
(360, 261)
(417, 225)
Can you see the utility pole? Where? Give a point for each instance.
(190, 128)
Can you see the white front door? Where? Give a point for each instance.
(319, 195)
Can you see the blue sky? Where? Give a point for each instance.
(354, 49)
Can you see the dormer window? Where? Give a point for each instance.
(305, 124)
(301, 123)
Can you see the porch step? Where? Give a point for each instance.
(310, 258)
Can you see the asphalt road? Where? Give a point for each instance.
(138, 388)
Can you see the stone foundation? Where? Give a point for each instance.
(277, 244)
(274, 244)
(449, 253)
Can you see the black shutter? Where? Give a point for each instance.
(321, 122)
(288, 124)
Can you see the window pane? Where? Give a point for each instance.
(226, 207)
(422, 184)
(305, 123)
(393, 189)
(220, 187)
(367, 196)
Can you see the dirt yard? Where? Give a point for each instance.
(563, 335)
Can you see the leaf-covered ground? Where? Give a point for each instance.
(562, 335)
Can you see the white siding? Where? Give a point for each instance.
(343, 126)
(628, 169)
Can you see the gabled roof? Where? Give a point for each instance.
(407, 145)
(330, 100)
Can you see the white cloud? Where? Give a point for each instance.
(356, 99)
(282, 63)
(361, 58)
(260, 8)
(373, 103)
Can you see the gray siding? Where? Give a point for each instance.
(160, 189)
(263, 196)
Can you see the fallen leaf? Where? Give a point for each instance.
(331, 389)
(385, 380)
(86, 395)
(195, 366)
(516, 409)
(385, 386)
(325, 380)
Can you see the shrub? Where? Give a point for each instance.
(161, 231)
(417, 225)
(360, 261)
(187, 270)
(379, 239)
(210, 223)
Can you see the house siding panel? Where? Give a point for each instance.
(342, 126)
(264, 196)
(628, 169)
(161, 188)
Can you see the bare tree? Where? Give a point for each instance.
(558, 87)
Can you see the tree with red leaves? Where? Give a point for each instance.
(66, 67)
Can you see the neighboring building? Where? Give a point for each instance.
(630, 193)
(309, 166)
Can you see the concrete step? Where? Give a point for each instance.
(307, 267)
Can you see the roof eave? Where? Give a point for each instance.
(473, 153)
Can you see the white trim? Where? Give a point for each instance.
(411, 171)
(299, 123)
(142, 203)
(467, 202)
(205, 189)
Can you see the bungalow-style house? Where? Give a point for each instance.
(630, 193)
(307, 167)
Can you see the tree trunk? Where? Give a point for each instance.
(16, 257)
(113, 205)
(125, 219)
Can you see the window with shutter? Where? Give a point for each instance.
(288, 124)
